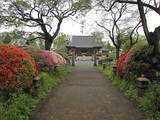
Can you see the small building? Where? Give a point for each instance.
(104, 52)
(83, 45)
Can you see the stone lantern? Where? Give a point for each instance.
(142, 84)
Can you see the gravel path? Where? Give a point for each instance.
(86, 95)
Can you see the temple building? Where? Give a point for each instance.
(83, 45)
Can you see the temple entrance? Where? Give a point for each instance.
(83, 50)
(84, 56)
(84, 60)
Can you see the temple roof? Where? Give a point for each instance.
(83, 42)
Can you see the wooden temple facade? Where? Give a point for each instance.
(83, 45)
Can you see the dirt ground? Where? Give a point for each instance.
(85, 94)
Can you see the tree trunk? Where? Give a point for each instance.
(130, 43)
(117, 53)
(48, 44)
(156, 39)
(143, 19)
(152, 37)
(48, 37)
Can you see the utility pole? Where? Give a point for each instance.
(82, 26)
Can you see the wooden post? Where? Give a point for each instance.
(95, 58)
(73, 57)
(104, 66)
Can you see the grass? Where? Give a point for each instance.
(20, 105)
(150, 102)
(126, 86)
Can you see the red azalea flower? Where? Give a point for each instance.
(17, 68)
(120, 64)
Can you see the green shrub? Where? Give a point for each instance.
(151, 101)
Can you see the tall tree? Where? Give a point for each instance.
(112, 24)
(41, 13)
(153, 38)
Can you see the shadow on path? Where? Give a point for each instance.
(86, 95)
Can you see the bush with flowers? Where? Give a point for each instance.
(19, 105)
(135, 62)
(36, 53)
(46, 61)
(53, 59)
(17, 71)
(64, 55)
(120, 64)
(17, 68)
(140, 62)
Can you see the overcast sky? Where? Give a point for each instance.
(74, 28)
(71, 27)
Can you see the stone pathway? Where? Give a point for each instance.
(86, 95)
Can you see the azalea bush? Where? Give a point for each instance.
(36, 53)
(17, 68)
(139, 62)
(64, 55)
(53, 59)
(46, 61)
(136, 61)
(120, 65)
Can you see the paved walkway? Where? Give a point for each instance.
(86, 95)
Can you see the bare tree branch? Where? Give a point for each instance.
(154, 8)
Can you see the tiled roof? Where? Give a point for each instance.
(83, 42)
